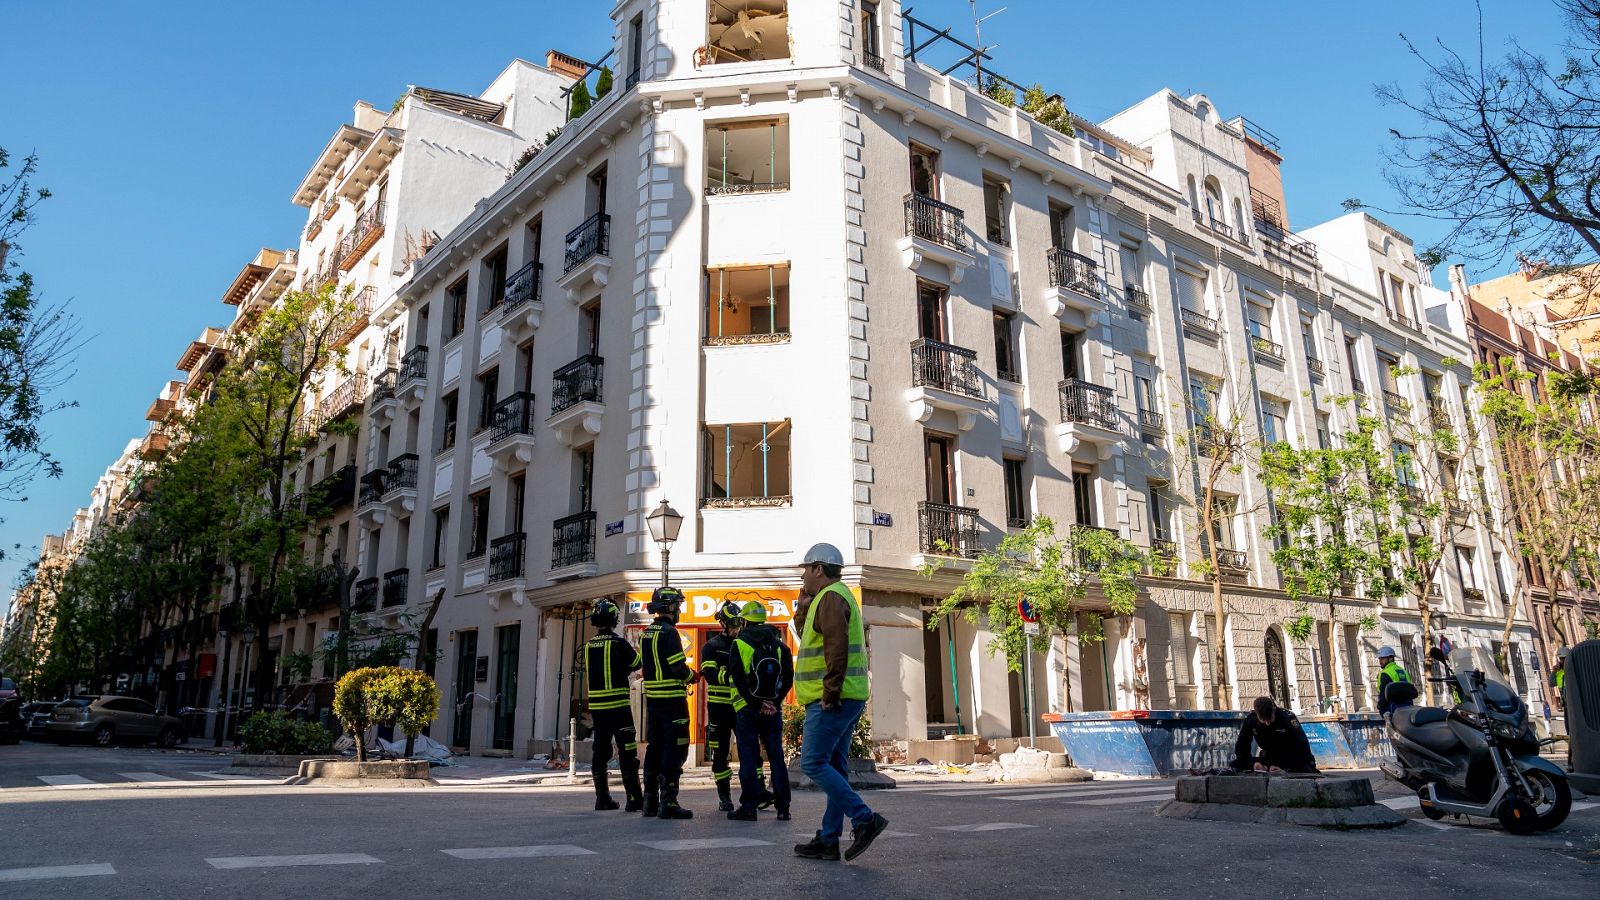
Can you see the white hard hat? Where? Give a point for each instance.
(827, 554)
(1386, 652)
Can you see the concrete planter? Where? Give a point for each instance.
(376, 773)
(1338, 801)
(864, 776)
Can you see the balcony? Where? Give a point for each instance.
(935, 231)
(1476, 602)
(507, 556)
(412, 383)
(1088, 418)
(944, 530)
(1152, 422)
(1138, 300)
(360, 313)
(587, 259)
(572, 547)
(577, 410)
(1460, 516)
(1357, 386)
(1394, 401)
(524, 304)
(1315, 367)
(1198, 324)
(366, 596)
(346, 398)
(1163, 555)
(944, 376)
(873, 61)
(154, 446)
(511, 431)
(1233, 565)
(369, 497)
(1084, 559)
(400, 484)
(365, 233)
(396, 588)
(332, 493)
(1074, 284)
(382, 400)
(1267, 351)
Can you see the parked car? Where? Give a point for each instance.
(8, 688)
(11, 721)
(106, 720)
(36, 715)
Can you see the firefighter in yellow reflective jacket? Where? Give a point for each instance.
(667, 677)
(762, 674)
(714, 670)
(609, 660)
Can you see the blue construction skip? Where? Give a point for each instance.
(1156, 743)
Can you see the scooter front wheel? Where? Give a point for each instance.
(1517, 816)
(1552, 798)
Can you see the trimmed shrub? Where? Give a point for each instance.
(276, 733)
(404, 698)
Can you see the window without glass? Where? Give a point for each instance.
(583, 480)
(747, 305)
(997, 210)
(938, 456)
(449, 410)
(924, 171)
(930, 312)
(456, 302)
(1016, 494)
(1071, 355)
(488, 396)
(1083, 498)
(478, 538)
(1005, 347)
(747, 157)
(494, 269)
(746, 465)
(1308, 336)
(1061, 227)
(441, 531)
(746, 31)
(869, 34)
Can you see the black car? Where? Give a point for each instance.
(35, 716)
(12, 724)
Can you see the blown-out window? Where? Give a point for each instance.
(747, 157)
(746, 31)
(747, 305)
(746, 465)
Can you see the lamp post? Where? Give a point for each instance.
(664, 523)
(246, 638)
(224, 694)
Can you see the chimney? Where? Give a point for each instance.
(564, 65)
(1458, 281)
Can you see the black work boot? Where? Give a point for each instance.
(816, 849)
(669, 802)
(602, 798)
(863, 835)
(635, 794)
(724, 796)
(652, 797)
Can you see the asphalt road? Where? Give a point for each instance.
(140, 838)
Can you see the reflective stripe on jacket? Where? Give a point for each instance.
(666, 675)
(608, 661)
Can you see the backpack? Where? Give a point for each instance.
(765, 672)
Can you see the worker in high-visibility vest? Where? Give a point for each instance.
(714, 673)
(1390, 673)
(609, 661)
(762, 670)
(667, 677)
(830, 681)
(1558, 678)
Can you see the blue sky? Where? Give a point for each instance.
(173, 134)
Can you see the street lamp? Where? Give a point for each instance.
(246, 638)
(225, 695)
(664, 523)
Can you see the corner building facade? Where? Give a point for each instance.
(807, 289)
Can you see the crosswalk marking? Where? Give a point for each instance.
(518, 852)
(1103, 798)
(150, 777)
(304, 859)
(1113, 801)
(986, 826)
(1086, 787)
(704, 844)
(41, 873)
(67, 782)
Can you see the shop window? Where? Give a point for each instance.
(748, 305)
(746, 31)
(747, 157)
(746, 465)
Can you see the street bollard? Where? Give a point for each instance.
(572, 750)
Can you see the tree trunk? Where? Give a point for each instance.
(1223, 696)
(411, 744)
(1424, 606)
(1349, 702)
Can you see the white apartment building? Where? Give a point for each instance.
(753, 284)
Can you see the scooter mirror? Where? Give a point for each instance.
(1437, 654)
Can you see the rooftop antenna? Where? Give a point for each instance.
(981, 51)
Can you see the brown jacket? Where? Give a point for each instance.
(833, 624)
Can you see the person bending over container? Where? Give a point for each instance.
(1278, 734)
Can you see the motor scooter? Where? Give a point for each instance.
(1479, 758)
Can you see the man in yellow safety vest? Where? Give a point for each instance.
(830, 681)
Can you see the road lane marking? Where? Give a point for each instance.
(704, 844)
(986, 826)
(146, 776)
(41, 873)
(518, 852)
(1135, 795)
(1082, 787)
(68, 782)
(1113, 801)
(231, 779)
(304, 859)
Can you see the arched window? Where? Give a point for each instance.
(1277, 669)
(1238, 219)
(1215, 212)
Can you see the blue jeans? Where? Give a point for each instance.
(824, 757)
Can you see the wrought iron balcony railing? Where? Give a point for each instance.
(1138, 299)
(577, 382)
(573, 540)
(873, 61)
(1315, 366)
(511, 416)
(592, 238)
(414, 365)
(1394, 400)
(365, 233)
(946, 530)
(383, 386)
(940, 223)
(1232, 560)
(333, 492)
(402, 473)
(1073, 271)
(523, 285)
(1270, 349)
(396, 587)
(1088, 404)
(1195, 320)
(506, 557)
(349, 395)
(946, 367)
(1152, 422)
(366, 595)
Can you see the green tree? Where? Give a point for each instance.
(405, 698)
(352, 706)
(579, 101)
(1053, 573)
(603, 82)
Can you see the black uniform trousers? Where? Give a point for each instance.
(615, 726)
(667, 733)
(719, 740)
